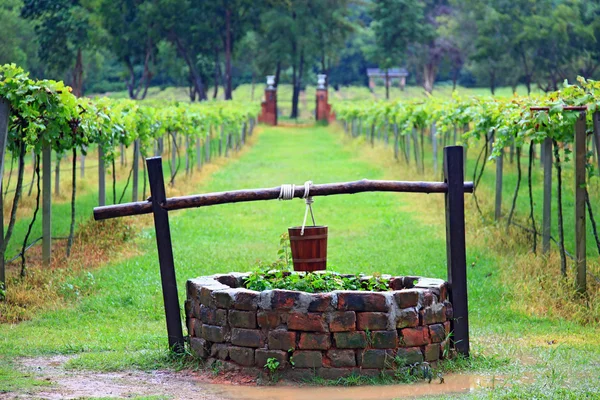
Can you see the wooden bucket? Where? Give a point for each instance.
(309, 251)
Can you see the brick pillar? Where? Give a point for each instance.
(323, 109)
(268, 113)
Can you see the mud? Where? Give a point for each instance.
(67, 384)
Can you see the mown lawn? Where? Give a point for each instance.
(120, 325)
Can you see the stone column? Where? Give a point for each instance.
(323, 109)
(268, 113)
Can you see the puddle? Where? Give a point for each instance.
(453, 384)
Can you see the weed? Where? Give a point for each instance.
(216, 368)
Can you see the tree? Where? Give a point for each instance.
(18, 44)
(132, 40)
(64, 29)
(396, 25)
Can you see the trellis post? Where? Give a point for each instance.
(499, 168)
(136, 170)
(165, 254)
(4, 117)
(46, 203)
(101, 177)
(547, 205)
(456, 247)
(580, 189)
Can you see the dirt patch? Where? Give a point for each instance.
(66, 384)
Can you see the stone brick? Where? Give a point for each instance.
(375, 358)
(314, 341)
(223, 298)
(335, 373)
(215, 334)
(418, 336)
(228, 280)
(342, 321)
(341, 358)
(396, 283)
(434, 314)
(187, 306)
(426, 298)
(449, 310)
(432, 352)
(320, 302)
(384, 339)
(447, 327)
(284, 299)
(282, 340)
(361, 301)
(310, 322)
(206, 292)
(246, 300)
(437, 333)
(406, 298)
(372, 321)
(220, 351)
(196, 306)
(212, 316)
(191, 323)
(242, 355)
(268, 319)
(199, 347)
(197, 328)
(307, 359)
(350, 340)
(262, 355)
(242, 319)
(407, 318)
(410, 355)
(246, 337)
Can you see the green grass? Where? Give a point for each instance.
(120, 325)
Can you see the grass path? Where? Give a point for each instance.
(121, 325)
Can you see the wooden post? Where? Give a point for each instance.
(122, 148)
(547, 205)
(82, 164)
(434, 143)
(456, 247)
(136, 170)
(174, 156)
(187, 154)
(46, 204)
(396, 141)
(165, 255)
(57, 176)
(596, 120)
(198, 154)
(580, 189)
(499, 167)
(4, 118)
(101, 178)
(207, 148)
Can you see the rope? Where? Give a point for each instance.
(287, 193)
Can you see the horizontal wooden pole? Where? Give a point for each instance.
(238, 196)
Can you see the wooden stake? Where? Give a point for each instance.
(4, 119)
(499, 167)
(456, 247)
(46, 204)
(101, 178)
(136, 170)
(547, 205)
(580, 242)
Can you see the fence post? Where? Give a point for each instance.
(456, 247)
(596, 120)
(136, 170)
(46, 204)
(101, 178)
(57, 175)
(434, 143)
(499, 167)
(580, 189)
(207, 148)
(198, 153)
(82, 164)
(165, 254)
(547, 206)
(4, 118)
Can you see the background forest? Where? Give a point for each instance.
(100, 46)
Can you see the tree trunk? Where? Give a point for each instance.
(429, 72)
(78, 75)
(493, 82)
(252, 87)
(217, 74)
(195, 76)
(228, 88)
(387, 84)
(277, 73)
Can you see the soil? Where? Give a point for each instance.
(68, 384)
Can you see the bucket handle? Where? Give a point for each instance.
(287, 193)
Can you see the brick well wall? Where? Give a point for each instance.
(333, 334)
